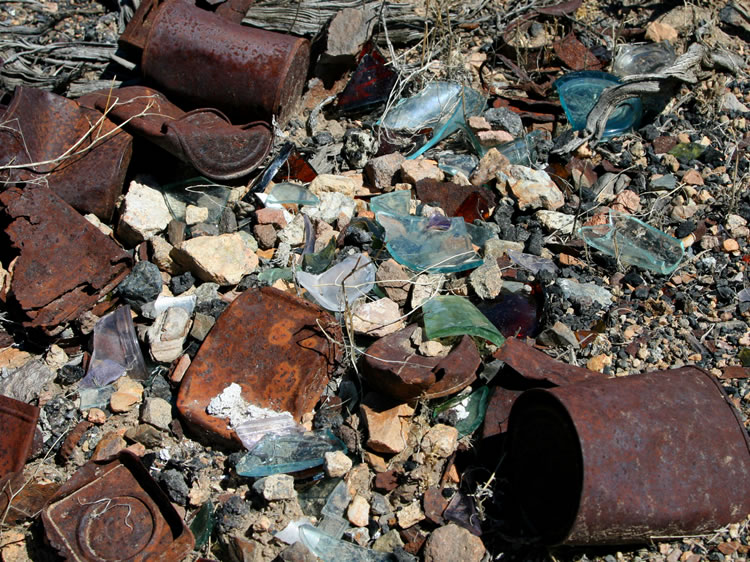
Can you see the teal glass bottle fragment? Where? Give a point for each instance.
(287, 192)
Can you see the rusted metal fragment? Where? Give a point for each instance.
(18, 421)
(203, 138)
(450, 197)
(26, 497)
(62, 264)
(534, 369)
(560, 9)
(393, 366)
(270, 343)
(114, 510)
(575, 54)
(626, 459)
(204, 60)
(39, 128)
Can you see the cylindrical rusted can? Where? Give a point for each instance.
(203, 60)
(627, 459)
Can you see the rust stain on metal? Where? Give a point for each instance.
(18, 421)
(113, 510)
(393, 366)
(271, 344)
(622, 460)
(575, 54)
(63, 263)
(41, 127)
(205, 60)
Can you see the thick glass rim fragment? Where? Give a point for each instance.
(341, 285)
(643, 58)
(632, 241)
(579, 91)
(452, 315)
(443, 107)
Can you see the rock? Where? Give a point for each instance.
(504, 119)
(167, 334)
(266, 236)
(558, 334)
(202, 324)
(414, 170)
(109, 445)
(440, 441)
(331, 206)
(358, 512)
(599, 362)
(358, 535)
(293, 233)
(195, 215)
(627, 201)
(729, 102)
(584, 293)
(555, 221)
(157, 412)
(393, 279)
(490, 164)
(433, 348)
(737, 226)
(478, 123)
(426, 286)
(276, 487)
(223, 259)
(359, 146)
(495, 248)
(658, 32)
(349, 30)
(534, 189)
(173, 483)
(386, 428)
(487, 280)
(410, 515)
(730, 245)
(127, 393)
(451, 543)
(337, 464)
(271, 216)
(142, 285)
(297, 552)
(692, 177)
(382, 171)
(330, 183)
(181, 283)
(494, 138)
(144, 214)
(389, 542)
(377, 318)
(96, 416)
(161, 255)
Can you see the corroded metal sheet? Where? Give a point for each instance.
(275, 346)
(18, 421)
(113, 510)
(62, 264)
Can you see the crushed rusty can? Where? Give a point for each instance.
(629, 459)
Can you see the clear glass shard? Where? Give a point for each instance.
(200, 192)
(393, 203)
(344, 283)
(330, 549)
(634, 242)
(116, 351)
(333, 526)
(533, 263)
(337, 501)
(290, 533)
(451, 315)
(251, 431)
(643, 58)
(287, 192)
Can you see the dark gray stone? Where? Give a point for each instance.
(504, 119)
(181, 283)
(142, 286)
(173, 483)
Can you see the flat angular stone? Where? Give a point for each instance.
(144, 214)
(387, 426)
(64, 264)
(270, 344)
(223, 259)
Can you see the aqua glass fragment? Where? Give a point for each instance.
(270, 276)
(203, 524)
(287, 192)
(421, 246)
(290, 533)
(313, 498)
(330, 549)
(468, 411)
(252, 430)
(200, 192)
(451, 315)
(523, 151)
(341, 285)
(579, 92)
(393, 203)
(97, 397)
(454, 164)
(644, 58)
(443, 107)
(338, 500)
(634, 242)
(282, 454)
(116, 351)
(318, 262)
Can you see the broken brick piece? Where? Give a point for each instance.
(63, 264)
(270, 343)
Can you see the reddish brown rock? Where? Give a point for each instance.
(451, 543)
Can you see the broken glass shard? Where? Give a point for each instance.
(687, 151)
(451, 315)
(579, 92)
(465, 413)
(515, 313)
(296, 168)
(443, 107)
(290, 533)
(643, 58)
(95, 397)
(454, 164)
(198, 192)
(341, 285)
(420, 245)
(270, 276)
(203, 524)
(281, 454)
(313, 499)
(317, 263)
(272, 169)
(371, 82)
(116, 351)
(394, 203)
(252, 430)
(153, 309)
(634, 242)
(333, 526)
(338, 500)
(287, 192)
(330, 549)
(533, 263)
(463, 512)
(523, 151)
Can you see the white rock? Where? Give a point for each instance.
(377, 318)
(487, 280)
(276, 487)
(229, 404)
(223, 259)
(195, 215)
(410, 515)
(440, 440)
(330, 183)
(337, 464)
(294, 232)
(426, 286)
(330, 207)
(161, 256)
(555, 221)
(534, 189)
(144, 214)
(358, 512)
(168, 333)
(157, 412)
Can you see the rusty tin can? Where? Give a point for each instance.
(629, 459)
(18, 421)
(204, 60)
(114, 510)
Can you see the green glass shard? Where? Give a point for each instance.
(317, 263)
(687, 151)
(395, 203)
(203, 524)
(469, 409)
(273, 274)
(451, 315)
